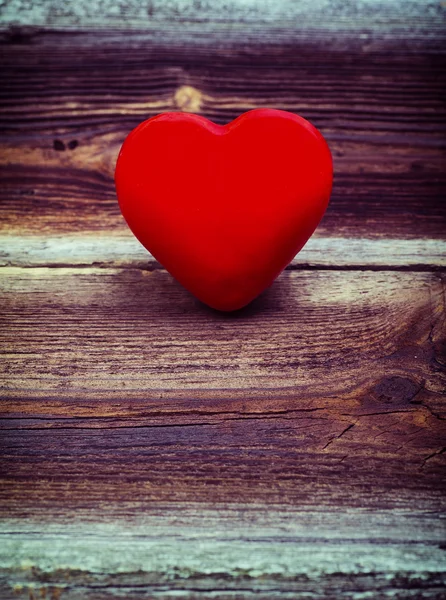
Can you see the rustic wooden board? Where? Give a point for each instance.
(233, 553)
(121, 249)
(114, 329)
(412, 24)
(154, 448)
(136, 417)
(384, 122)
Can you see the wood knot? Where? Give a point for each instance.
(60, 146)
(395, 390)
(188, 98)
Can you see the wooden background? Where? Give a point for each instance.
(154, 448)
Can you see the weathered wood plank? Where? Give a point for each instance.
(112, 84)
(46, 193)
(209, 22)
(233, 552)
(313, 457)
(39, 199)
(100, 329)
(69, 101)
(121, 249)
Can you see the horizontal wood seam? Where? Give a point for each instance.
(421, 268)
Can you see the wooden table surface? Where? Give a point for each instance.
(154, 448)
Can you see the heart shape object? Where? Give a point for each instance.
(224, 208)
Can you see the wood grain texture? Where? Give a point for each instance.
(136, 419)
(124, 399)
(68, 103)
(237, 552)
(413, 23)
(121, 249)
(153, 448)
(85, 324)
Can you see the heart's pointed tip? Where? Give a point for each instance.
(228, 308)
(246, 306)
(223, 302)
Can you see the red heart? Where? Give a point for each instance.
(224, 208)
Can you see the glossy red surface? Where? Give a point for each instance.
(224, 208)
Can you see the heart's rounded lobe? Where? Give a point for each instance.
(224, 208)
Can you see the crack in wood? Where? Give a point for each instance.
(339, 436)
(430, 456)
